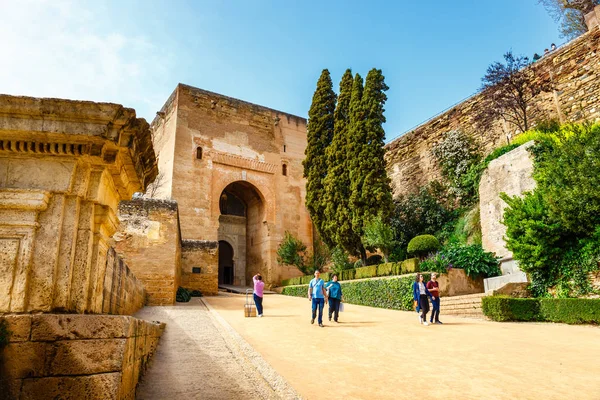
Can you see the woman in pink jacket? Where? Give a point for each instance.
(259, 287)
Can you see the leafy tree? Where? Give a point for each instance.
(553, 231)
(509, 88)
(292, 251)
(379, 235)
(319, 134)
(371, 194)
(570, 14)
(429, 211)
(337, 182)
(340, 259)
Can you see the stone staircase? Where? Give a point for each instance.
(468, 306)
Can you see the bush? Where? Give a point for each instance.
(358, 264)
(366, 272)
(375, 259)
(570, 311)
(292, 251)
(393, 293)
(340, 259)
(386, 269)
(183, 295)
(423, 245)
(472, 258)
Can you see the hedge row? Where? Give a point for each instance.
(387, 269)
(570, 311)
(393, 293)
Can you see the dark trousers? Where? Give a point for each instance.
(258, 301)
(334, 308)
(435, 314)
(318, 303)
(424, 304)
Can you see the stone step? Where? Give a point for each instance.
(461, 307)
(464, 297)
(457, 302)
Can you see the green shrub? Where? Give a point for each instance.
(472, 258)
(305, 280)
(4, 333)
(504, 308)
(326, 276)
(366, 272)
(358, 264)
(423, 245)
(570, 311)
(410, 265)
(393, 293)
(347, 274)
(340, 259)
(385, 269)
(183, 295)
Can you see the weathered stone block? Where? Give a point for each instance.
(19, 327)
(84, 357)
(51, 327)
(23, 360)
(93, 387)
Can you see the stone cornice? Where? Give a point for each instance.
(242, 162)
(57, 127)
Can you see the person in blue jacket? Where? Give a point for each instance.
(335, 297)
(421, 295)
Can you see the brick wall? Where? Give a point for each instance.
(574, 70)
(80, 356)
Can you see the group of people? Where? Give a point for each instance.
(422, 292)
(536, 56)
(320, 292)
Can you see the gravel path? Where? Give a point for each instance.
(200, 357)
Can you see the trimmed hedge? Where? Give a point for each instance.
(387, 269)
(393, 293)
(423, 244)
(570, 311)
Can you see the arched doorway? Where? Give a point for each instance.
(242, 225)
(225, 263)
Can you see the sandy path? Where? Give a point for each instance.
(385, 354)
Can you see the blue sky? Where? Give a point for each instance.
(432, 53)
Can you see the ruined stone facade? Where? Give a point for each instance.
(573, 70)
(235, 170)
(64, 167)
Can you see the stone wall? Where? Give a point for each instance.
(573, 69)
(199, 259)
(149, 241)
(512, 173)
(122, 293)
(64, 167)
(73, 356)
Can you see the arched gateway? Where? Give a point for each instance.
(242, 231)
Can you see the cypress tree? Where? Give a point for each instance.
(371, 195)
(337, 183)
(319, 134)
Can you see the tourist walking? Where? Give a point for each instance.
(420, 295)
(434, 288)
(334, 290)
(317, 295)
(259, 287)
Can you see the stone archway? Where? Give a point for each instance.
(242, 225)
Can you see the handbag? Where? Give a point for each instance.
(341, 308)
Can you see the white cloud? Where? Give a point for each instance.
(60, 48)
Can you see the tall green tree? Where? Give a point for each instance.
(319, 134)
(371, 195)
(337, 183)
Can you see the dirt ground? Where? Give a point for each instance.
(384, 354)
